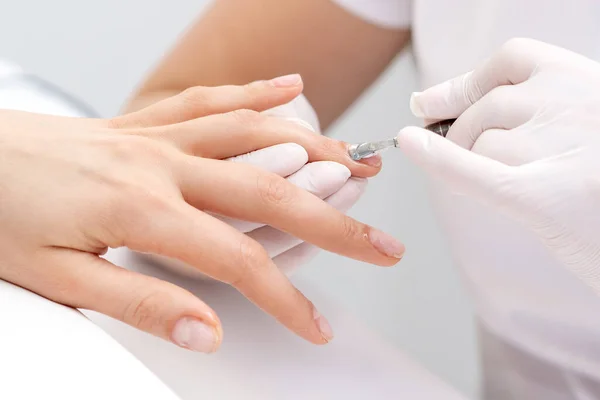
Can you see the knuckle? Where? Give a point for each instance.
(273, 190)
(350, 229)
(470, 87)
(144, 312)
(330, 148)
(252, 259)
(118, 122)
(136, 148)
(252, 90)
(247, 118)
(131, 209)
(137, 203)
(194, 97)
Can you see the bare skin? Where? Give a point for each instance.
(152, 181)
(238, 41)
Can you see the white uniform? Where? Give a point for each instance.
(539, 326)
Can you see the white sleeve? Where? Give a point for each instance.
(48, 351)
(385, 13)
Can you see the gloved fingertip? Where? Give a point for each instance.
(295, 148)
(415, 106)
(289, 153)
(336, 170)
(411, 135)
(321, 178)
(359, 185)
(415, 142)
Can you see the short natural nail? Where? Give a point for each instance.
(386, 244)
(287, 81)
(415, 107)
(373, 161)
(195, 335)
(323, 325)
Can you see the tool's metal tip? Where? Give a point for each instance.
(353, 152)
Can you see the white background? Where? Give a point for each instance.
(100, 50)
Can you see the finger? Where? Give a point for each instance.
(484, 179)
(290, 261)
(514, 63)
(201, 101)
(511, 148)
(282, 159)
(321, 179)
(227, 135)
(219, 251)
(277, 242)
(502, 108)
(83, 280)
(250, 194)
(294, 253)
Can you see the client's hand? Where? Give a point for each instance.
(327, 180)
(71, 188)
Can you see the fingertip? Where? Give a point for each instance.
(321, 178)
(337, 171)
(415, 106)
(291, 81)
(360, 183)
(197, 335)
(323, 326)
(330, 176)
(412, 139)
(374, 161)
(388, 246)
(293, 151)
(365, 168)
(364, 171)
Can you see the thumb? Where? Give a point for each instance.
(481, 178)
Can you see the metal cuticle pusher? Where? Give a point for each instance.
(369, 149)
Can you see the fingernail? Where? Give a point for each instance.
(373, 161)
(287, 81)
(323, 325)
(386, 244)
(415, 107)
(193, 334)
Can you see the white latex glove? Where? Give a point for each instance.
(531, 117)
(325, 179)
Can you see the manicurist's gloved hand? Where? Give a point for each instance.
(153, 181)
(527, 141)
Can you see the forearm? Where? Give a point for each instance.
(238, 41)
